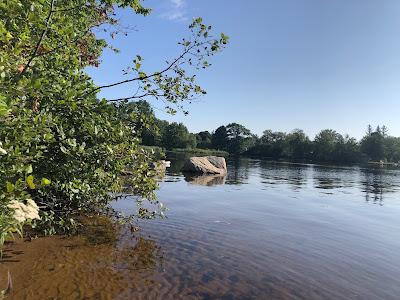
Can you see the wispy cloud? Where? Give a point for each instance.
(175, 10)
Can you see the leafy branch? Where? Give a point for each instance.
(175, 87)
(47, 26)
(141, 78)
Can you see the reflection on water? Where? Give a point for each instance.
(272, 231)
(374, 183)
(206, 180)
(293, 175)
(377, 183)
(238, 171)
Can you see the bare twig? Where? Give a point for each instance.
(9, 283)
(135, 97)
(9, 288)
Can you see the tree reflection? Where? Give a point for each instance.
(294, 175)
(373, 186)
(297, 176)
(238, 170)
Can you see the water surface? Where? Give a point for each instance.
(266, 231)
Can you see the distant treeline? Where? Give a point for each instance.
(328, 146)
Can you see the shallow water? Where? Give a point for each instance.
(267, 231)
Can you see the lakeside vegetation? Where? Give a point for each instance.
(62, 148)
(234, 139)
(200, 151)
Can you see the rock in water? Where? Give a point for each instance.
(205, 165)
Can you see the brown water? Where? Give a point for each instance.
(267, 231)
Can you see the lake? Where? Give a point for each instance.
(266, 231)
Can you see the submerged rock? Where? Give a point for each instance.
(205, 165)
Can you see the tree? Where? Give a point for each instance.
(275, 142)
(239, 138)
(384, 131)
(140, 116)
(204, 140)
(219, 139)
(369, 129)
(161, 127)
(298, 145)
(373, 146)
(392, 149)
(271, 145)
(378, 130)
(325, 145)
(60, 146)
(348, 150)
(177, 136)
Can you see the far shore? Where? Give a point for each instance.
(205, 152)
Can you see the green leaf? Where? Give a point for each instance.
(37, 84)
(10, 187)
(45, 181)
(29, 181)
(48, 136)
(28, 169)
(4, 111)
(63, 149)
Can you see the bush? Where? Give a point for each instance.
(60, 146)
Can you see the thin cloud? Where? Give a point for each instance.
(176, 11)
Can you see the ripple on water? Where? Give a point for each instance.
(264, 232)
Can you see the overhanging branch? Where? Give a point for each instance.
(40, 39)
(142, 77)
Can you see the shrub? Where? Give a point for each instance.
(60, 145)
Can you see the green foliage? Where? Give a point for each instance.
(298, 145)
(219, 139)
(325, 144)
(176, 135)
(235, 139)
(373, 144)
(271, 144)
(240, 139)
(157, 152)
(392, 149)
(330, 146)
(8, 225)
(201, 152)
(327, 147)
(59, 144)
(204, 140)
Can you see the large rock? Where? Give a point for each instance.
(206, 165)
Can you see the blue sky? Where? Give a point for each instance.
(309, 64)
